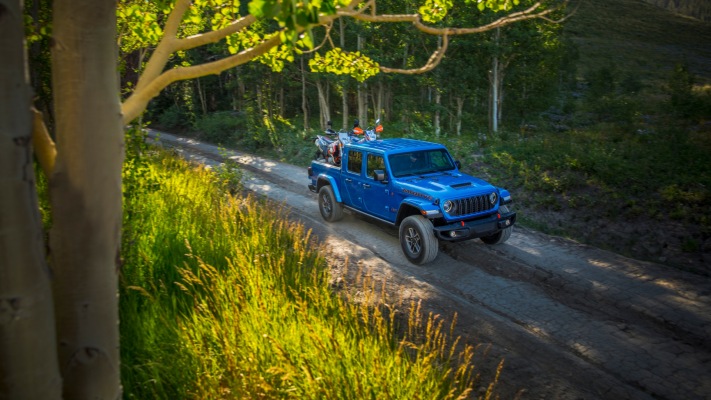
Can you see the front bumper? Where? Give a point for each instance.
(465, 230)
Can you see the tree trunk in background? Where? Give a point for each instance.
(438, 104)
(323, 103)
(344, 104)
(28, 353)
(496, 86)
(344, 91)
(460, 106)
(86, 197)
(202, 97)
(282, 104)
(304, 98)
(362, 93)
(378, 99)
(363, 104)
(494, 98)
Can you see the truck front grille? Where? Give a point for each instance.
(471, 205)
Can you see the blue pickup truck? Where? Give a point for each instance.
(416, 186)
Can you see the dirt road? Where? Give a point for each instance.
(570, 321)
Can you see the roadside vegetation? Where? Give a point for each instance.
(612, 151)
(223, 297)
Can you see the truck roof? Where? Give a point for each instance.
(396, 145)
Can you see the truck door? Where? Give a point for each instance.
(352, 178)
(376, 194)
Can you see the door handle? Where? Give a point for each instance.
(349, 180)
(366, 186)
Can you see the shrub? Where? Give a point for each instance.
(174, 117)
(224, 128)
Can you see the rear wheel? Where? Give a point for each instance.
(500, 236)
(331, 210)
(417, 240)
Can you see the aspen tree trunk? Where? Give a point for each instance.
(438, 103)
(304, 99)
(28, 351)
(494, 101)
(202, 96)
(344, 104)
(86, 197)
(460, 107)
(344, 92)
(378, 99)
(323, 97)
(363, 104)
(282, 102)
(494, 85)
(362, 93)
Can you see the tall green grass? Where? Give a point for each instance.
(224, 297)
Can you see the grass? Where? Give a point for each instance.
(638, 38)
(224, 297)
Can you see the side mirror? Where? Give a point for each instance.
(379, 176)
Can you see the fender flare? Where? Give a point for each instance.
(324, 179)
(420, 206)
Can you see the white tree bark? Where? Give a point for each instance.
(438, 104)
(460, 107)
(362, 92)
(323, 102)
(86, 197)
(494, 102)
(28, 360)
(304, 98)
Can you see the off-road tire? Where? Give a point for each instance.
(502, 235)
(331, 210)
(417, 239)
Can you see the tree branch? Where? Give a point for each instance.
(165, 47)
(138, 100)
(437, 56)
(434, 60)
(415, 19)
(214, 36)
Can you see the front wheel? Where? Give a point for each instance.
(418, 240)
(500, 236)
(331, 210)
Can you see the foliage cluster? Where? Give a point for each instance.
(223, 297)
(462, 76)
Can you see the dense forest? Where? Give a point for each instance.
(529, 65)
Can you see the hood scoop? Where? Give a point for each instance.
(462, 185)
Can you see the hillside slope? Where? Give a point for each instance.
(699, 9)
(639, 39)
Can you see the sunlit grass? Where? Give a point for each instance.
(224, 297)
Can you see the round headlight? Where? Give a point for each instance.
(448, 206)
(493, 197)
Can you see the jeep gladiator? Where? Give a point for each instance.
(416, 186)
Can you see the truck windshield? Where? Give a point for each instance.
(420, 162)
